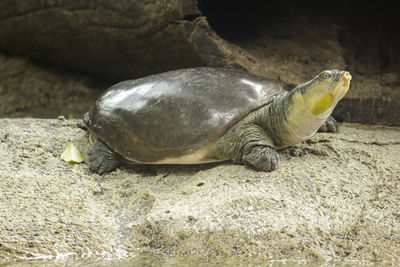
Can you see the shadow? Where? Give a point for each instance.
(181, 170)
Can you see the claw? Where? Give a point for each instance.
(262, 158)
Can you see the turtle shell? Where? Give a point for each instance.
(175, 113)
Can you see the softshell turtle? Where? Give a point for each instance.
(201, 115)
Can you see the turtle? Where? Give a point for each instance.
(205, 114)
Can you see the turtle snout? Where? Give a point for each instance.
(346, 76)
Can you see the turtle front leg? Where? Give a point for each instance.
(247, 143)
(101, 158)
(262, 158)
(330, 125)
(258, 150)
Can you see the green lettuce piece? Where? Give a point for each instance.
(71, 154)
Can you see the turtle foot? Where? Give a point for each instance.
(330, 125)
(262, 158)
(101, 158)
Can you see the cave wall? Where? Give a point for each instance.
(294, 40)
(287, 40)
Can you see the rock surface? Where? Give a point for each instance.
(30, 90)
(115, 39)
(334, 197)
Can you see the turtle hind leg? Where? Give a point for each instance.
(330, 125)
(101, 158)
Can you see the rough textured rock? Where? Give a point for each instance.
(334, 197)
(31, 90)
(114, 39)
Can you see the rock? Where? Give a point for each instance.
(115, 40)
(334, 197)
(31, 90)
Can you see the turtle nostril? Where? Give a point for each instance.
(346, 76)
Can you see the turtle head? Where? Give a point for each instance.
(309, 105)
(321, 94)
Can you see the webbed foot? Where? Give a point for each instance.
(101, 158)
(262, 158)
(330, 125)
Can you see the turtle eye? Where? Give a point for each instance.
(325, 75)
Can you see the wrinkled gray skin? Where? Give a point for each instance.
(163, 118)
